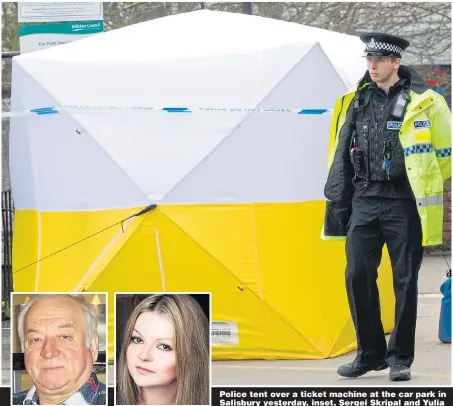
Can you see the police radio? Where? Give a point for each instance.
(358, 158)
(401, 102)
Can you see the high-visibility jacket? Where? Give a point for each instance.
(425, 135)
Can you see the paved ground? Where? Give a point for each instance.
(432, 364)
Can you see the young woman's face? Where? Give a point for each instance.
(151, 356)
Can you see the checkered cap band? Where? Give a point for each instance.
(374, 46)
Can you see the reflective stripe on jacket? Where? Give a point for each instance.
(425, 136)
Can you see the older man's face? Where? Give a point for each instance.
(57, 357)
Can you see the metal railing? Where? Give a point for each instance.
(9, 54)
(7, 236)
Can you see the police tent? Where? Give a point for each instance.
(189, 154)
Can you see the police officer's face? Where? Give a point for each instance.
(381, 68)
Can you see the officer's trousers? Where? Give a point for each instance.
(375, 221)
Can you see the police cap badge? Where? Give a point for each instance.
(378, 44)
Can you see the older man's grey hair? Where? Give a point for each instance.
(88, 312)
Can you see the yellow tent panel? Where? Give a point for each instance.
(267, 272)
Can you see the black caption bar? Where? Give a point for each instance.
(306, 396)
(339, 396)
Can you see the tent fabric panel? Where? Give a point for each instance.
(288, 241)
(226, 232)
(55, 164)
(193, 268)
(56, 230)
(61, 229)
(251, 33)
(246, 78)
(73, 173)
(133, 268)
(315, 300)
(161, 148)
(270, 157)
(25, 249)
(304, 319)
(186, 266)
(24, 178)
(169, 146)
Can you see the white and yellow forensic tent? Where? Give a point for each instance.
(158, 113)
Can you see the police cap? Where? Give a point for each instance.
(378, 44)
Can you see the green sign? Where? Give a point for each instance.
(72, 27)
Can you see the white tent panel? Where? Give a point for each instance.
(158, 149)
(22, 173)
(201, 59)
(272, 157)
(61, 166)
(240, 80)
(73, 173)
(208, 33)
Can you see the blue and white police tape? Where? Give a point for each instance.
(79, 109)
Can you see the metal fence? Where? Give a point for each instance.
(7, 277)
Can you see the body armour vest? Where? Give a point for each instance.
(378, 135)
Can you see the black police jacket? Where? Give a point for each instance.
(339, 188)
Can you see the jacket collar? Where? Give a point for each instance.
(84, 396)
(421, 93)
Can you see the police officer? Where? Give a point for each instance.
(389, 154)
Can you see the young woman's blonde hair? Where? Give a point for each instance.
(191, 346)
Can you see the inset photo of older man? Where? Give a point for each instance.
(59, 349)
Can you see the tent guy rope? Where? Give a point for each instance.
(144, 211)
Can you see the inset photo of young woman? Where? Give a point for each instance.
(162, 352)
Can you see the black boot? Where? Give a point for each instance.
(400, 373)
(355, 369)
